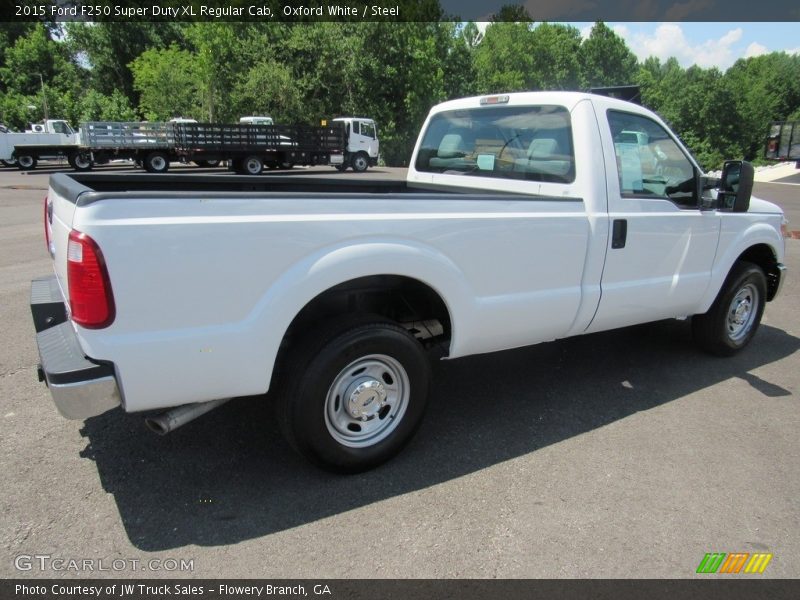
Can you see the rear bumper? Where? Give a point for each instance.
(80, 387)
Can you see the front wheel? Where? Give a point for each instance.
(156, 162)
(733, 319)
(355, 395)
(26, 162)
(360, 162)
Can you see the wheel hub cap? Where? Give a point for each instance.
(741, 313)
(365, 399)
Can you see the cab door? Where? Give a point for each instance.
(364, 138)
(661, 245)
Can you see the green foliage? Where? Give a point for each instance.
(605, 59)
(169, 83)
(393, 72)
(94, 106)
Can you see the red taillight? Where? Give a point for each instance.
(90, 298)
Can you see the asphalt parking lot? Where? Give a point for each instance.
(622, 454)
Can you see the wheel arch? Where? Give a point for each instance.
(760, 244)
(765, 257)
(392, 280)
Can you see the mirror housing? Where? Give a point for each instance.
(735, 186)
(705, 183)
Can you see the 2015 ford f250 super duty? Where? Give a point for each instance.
(524, 218)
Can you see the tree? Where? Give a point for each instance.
(605, 59)
(504, 59)
(555, 62)
(109, 48)
(94, 106)
(168, 83)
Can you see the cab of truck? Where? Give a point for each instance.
(58, 126)
(363, 146)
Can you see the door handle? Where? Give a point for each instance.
(619, 233)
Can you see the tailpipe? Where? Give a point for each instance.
(172, 419)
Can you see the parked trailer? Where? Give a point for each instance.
(151, 145)
(783, 141)
(250, 148)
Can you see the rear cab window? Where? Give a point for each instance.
(531, 143)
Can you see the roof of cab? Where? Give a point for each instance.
(566, 99)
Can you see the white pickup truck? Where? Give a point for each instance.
(524, 218)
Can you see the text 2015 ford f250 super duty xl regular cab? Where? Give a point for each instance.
(524, 218)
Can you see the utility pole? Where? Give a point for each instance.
(44, 98)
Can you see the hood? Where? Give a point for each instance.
(757, 205)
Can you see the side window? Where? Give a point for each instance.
(59, 127)
(356, 128)
(649, 162)
(368, 130)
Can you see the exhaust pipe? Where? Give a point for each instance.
(172, 419)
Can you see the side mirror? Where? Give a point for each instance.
(736, 186)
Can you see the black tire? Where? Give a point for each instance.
(156, 162)
(9, 163)
(26, 162)
(287, 165)
(341, 168)
(377, 367)
(360, 162)
(252, 165)
(80, 161)
(733, 319)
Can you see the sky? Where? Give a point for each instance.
(705, 44)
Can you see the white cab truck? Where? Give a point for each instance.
(363, 147)
(53, 138)
(524, 218)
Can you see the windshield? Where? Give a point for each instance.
(513, 142)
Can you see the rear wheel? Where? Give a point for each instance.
(11, 162)
(354, 395)
(156, 162)
(252, 165)
(26, 162)
(733, 319)
(81, 161)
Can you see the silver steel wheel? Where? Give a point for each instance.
(253, 165)
(158, 163)
(83, 161)
(360, 163)
(367, 401)
(742, 312)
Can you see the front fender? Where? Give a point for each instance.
(732, 245)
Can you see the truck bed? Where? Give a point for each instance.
(106, 185)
